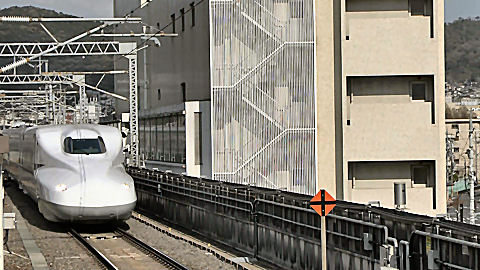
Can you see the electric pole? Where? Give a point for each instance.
(471, 170)
(450, 158)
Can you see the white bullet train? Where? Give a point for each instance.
(73, 172)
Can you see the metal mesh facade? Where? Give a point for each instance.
(263, 93)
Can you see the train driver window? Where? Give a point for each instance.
(84, 146)
(67, 145)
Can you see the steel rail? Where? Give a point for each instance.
(102, 258)
(158, 254)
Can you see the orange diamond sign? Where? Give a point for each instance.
(323, 203)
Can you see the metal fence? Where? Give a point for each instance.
(280, 228)
(263, 92)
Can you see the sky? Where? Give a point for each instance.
(104, 8)
(460, 8)
(82, 8)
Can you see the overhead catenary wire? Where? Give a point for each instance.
(160, 30)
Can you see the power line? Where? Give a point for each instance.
(160, 30)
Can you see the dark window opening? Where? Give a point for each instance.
(419, 91)
(420, 175)
(184, 92)
(417, 7)
(159, 94)
(84, 146)
(182, 14)
(173, 23)
(192, 10)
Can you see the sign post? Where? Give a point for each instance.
(323, 203)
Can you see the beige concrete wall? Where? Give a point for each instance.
(383, 39)
(374, 181)
(417, 199)
(380, 30)
(325, 58)
(391, 132)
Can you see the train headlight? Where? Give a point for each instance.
(126, 186)
(61, 187)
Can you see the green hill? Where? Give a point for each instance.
(462, 50)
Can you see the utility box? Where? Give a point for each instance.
(400, 194)
(125, 117)
(4, 140)
(9, 221)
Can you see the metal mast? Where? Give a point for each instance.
(132, 64)
(471, 170)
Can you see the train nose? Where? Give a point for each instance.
(107, 193)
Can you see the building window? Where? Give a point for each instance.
(192, 11)
(184, 91)
(182, 14)
(417, 7)
(455, 126)
(159, 94)
(418, 91)
(163, 138)
(457, 161)
(420, 175)
(456, 149)
(173, 22)
(198, 138)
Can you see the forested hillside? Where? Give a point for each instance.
(33, 32)
(462, 50)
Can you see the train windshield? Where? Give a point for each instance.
(84, 146)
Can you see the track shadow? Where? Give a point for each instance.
(29, 209)
(100, 228)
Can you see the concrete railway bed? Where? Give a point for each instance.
(119, 250)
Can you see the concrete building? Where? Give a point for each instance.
(345, 95)
(458, 135)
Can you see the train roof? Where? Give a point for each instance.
(62, 128)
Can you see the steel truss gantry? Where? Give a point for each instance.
(132, 64)
(70, 49)
(28, 52)
(34, 79)
(127, 49)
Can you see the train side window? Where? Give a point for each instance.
(103, 149)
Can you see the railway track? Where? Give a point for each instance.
(118, 250)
